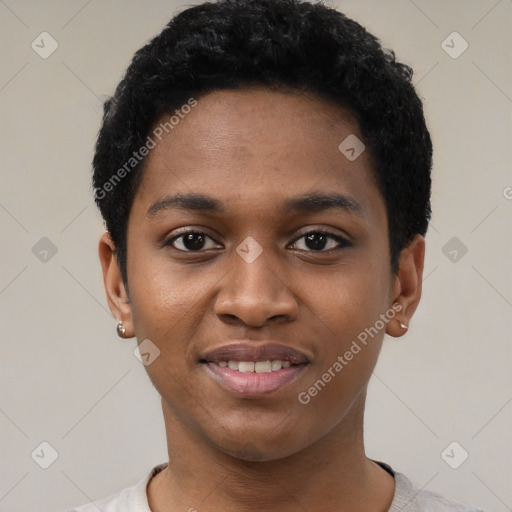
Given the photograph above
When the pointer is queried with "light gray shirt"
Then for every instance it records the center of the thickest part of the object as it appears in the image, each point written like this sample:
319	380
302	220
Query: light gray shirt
408	498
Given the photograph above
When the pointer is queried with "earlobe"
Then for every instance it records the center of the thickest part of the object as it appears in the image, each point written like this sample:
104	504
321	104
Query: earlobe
117	296
407	286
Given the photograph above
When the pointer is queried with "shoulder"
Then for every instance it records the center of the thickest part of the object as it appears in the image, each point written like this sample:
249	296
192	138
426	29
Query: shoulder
410	498
131	499
107	504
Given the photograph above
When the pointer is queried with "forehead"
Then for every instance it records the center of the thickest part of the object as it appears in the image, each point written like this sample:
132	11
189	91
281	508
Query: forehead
237	123
259	147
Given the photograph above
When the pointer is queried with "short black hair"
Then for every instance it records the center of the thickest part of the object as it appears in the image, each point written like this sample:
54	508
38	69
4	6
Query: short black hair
236	44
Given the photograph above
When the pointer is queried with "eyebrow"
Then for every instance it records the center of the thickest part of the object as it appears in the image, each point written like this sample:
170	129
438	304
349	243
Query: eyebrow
308	203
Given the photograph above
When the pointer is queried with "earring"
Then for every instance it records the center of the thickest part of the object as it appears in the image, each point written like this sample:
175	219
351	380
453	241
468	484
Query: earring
121	330
404	326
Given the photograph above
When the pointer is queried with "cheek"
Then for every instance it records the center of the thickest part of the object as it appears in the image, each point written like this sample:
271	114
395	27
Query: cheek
351	300
347	314
168	307
160	296
164	311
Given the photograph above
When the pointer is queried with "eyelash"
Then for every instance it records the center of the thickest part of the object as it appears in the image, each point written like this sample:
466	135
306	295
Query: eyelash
343	242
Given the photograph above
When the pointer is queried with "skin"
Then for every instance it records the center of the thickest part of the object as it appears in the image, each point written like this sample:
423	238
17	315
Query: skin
252	150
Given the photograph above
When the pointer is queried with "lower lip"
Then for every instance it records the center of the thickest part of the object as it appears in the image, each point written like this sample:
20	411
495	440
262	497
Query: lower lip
251	384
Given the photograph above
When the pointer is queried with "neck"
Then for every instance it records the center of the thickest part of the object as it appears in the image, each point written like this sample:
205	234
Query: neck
331	474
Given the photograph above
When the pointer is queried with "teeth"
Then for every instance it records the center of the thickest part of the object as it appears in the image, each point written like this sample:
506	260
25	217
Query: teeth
263	367
255	367
245	366
276	365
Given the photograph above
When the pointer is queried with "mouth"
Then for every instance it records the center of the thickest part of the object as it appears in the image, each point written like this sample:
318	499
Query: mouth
253	366
247	370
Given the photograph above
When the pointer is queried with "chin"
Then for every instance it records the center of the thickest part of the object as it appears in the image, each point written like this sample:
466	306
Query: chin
264	450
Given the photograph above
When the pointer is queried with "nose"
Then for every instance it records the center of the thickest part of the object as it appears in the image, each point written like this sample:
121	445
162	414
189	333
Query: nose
255	294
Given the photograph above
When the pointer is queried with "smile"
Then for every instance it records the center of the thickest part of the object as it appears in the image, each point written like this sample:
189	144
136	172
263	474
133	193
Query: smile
254	379
255	366
254	370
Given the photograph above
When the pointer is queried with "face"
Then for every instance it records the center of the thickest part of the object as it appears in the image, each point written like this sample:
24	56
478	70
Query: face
254	242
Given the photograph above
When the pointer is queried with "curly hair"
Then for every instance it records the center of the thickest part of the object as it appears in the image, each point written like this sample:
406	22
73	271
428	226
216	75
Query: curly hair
309	47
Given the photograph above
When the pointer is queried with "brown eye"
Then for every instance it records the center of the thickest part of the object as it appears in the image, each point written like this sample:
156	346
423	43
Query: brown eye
191	241
321	241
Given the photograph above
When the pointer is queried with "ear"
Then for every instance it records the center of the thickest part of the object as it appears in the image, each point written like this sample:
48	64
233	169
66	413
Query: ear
407	286
117	297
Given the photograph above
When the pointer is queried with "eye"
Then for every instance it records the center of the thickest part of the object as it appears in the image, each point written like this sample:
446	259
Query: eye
322	241
190	241
316	241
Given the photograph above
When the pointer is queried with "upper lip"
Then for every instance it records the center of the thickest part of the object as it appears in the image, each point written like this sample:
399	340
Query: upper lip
250	351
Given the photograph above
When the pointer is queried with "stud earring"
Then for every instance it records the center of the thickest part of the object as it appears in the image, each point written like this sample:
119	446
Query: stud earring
121	330
404	326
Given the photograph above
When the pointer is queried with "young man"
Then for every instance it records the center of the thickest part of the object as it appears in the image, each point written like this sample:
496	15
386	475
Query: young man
263	170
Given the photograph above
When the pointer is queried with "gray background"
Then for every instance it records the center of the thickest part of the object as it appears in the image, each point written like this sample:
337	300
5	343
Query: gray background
68	380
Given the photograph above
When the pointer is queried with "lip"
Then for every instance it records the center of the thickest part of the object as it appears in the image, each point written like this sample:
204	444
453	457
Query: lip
254	385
